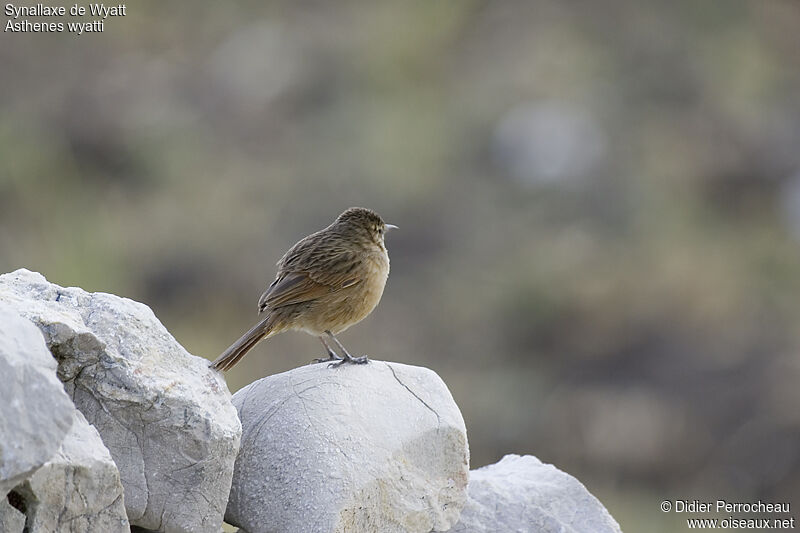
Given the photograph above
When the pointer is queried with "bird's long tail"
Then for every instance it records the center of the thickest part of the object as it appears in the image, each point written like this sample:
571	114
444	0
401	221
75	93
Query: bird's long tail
239	349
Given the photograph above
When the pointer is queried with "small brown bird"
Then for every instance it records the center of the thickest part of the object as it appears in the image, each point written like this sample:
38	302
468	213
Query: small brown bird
326	282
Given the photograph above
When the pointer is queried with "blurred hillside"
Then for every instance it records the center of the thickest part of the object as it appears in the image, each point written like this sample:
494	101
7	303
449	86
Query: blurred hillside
599	208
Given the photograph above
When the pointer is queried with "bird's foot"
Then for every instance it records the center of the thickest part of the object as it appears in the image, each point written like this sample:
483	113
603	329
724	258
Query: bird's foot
332	356
349	359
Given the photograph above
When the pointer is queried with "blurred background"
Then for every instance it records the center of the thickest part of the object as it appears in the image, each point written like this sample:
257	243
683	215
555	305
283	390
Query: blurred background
599	208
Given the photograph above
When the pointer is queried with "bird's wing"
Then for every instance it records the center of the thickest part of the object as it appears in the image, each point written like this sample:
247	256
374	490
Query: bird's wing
306	273
291	288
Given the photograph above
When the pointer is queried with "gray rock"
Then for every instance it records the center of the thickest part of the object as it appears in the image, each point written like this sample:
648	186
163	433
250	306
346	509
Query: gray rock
163	414
36	412
549	143
11	520
78	490
523	495
377	447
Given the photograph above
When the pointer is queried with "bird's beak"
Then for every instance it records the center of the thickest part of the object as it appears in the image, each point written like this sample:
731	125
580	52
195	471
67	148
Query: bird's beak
390	226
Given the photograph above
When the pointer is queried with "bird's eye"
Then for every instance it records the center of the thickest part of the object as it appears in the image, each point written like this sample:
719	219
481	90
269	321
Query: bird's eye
380	230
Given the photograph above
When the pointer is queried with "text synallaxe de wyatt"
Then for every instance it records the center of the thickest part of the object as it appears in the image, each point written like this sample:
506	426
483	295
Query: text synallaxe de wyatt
41	10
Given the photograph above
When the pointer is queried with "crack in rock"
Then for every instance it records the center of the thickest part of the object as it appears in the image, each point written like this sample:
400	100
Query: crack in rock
415	395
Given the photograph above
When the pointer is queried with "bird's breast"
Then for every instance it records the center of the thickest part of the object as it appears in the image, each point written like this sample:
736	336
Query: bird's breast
345	307
375	281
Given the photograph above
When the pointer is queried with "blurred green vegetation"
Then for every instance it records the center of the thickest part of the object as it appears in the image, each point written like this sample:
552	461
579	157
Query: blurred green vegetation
599	208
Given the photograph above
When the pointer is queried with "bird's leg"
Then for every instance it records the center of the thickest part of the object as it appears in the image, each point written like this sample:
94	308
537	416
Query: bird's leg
332	356
347	357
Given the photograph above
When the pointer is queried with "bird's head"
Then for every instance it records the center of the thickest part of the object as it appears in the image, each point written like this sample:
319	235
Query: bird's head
366	223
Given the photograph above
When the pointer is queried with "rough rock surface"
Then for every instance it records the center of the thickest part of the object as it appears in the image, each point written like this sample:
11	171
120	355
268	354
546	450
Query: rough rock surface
36	413
11	520
78	490
163	414
522	494
377	447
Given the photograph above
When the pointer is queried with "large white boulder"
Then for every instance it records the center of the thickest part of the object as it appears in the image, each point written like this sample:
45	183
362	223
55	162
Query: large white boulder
78	490
522	494
376	447
35	412
166	418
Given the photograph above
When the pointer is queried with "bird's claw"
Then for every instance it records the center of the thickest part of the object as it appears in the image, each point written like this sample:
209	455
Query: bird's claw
349	359
331	357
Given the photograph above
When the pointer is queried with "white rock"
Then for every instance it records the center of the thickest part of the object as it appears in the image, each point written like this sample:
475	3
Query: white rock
163	414
36	413
377	447
521	494
78	490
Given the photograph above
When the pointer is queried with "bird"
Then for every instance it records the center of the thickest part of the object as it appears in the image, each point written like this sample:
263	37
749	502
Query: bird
327	282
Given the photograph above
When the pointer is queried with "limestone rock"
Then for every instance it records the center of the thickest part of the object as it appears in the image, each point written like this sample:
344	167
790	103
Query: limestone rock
163	414
522	494
36	412
377	447
78	490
